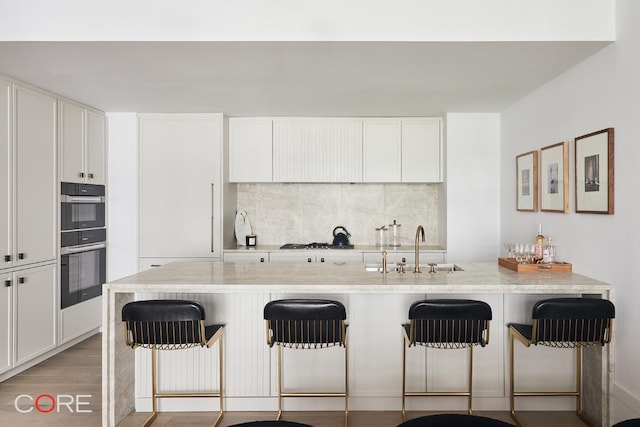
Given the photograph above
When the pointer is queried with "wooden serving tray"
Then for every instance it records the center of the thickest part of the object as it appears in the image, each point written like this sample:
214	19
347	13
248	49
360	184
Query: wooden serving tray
556	267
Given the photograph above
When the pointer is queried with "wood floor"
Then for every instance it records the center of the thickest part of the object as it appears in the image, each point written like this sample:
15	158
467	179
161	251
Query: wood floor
77	371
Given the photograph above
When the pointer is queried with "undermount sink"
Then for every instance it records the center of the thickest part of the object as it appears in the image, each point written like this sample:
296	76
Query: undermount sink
408	268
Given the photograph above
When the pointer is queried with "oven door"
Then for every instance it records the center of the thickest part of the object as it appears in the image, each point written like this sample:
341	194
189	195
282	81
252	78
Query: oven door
82	273
80	212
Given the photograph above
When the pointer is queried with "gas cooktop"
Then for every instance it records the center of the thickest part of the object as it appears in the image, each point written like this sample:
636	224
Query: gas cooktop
314	245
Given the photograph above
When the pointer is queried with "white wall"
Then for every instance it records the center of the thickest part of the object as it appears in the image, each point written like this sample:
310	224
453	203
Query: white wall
122	195
473	186
292	20
602	91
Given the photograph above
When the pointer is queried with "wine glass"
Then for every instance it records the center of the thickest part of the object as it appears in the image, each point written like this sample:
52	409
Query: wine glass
509	247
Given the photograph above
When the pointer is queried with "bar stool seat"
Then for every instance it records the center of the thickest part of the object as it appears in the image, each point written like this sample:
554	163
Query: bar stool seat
446	324
454	420
271	424
171	325
562	323
307	324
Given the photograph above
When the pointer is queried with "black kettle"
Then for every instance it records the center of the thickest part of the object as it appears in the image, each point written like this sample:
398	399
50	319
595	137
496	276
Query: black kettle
339	238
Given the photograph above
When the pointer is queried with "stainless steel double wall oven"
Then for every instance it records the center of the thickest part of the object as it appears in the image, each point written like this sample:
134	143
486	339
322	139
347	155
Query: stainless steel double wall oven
83	249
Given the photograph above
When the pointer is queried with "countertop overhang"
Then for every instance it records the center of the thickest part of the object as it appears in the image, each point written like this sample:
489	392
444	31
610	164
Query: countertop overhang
226	277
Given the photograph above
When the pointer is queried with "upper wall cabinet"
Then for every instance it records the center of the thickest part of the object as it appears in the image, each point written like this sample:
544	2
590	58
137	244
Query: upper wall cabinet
82	144
402	150
381	150
317	150
422	150
335	150
250	147
28	184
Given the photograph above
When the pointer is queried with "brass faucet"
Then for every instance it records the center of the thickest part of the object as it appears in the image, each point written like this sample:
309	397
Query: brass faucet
419	232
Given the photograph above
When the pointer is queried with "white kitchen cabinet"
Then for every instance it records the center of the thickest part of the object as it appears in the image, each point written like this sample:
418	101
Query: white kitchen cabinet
82	134
422	150
35	312
29	182
180	185
80	319
6	314
249	256
6	182
408	257
381	150
250	149
317	150
292	257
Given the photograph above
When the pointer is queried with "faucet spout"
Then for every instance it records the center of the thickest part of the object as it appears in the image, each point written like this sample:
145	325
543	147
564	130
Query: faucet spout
419	233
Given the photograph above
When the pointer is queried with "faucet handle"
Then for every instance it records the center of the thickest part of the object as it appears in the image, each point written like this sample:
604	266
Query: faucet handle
432	267
400	267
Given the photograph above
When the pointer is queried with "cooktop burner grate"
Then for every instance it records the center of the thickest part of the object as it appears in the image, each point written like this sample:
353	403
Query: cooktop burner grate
314	245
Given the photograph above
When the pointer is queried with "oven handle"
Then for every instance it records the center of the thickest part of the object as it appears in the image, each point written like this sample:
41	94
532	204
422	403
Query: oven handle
83	199
76	249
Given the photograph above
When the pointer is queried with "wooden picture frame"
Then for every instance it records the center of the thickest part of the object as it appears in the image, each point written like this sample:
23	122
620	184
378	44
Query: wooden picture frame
527	182
594	170
554	178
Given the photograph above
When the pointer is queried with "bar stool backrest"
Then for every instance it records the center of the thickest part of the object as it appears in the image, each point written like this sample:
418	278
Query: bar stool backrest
572	322
449	323
305	323
164	324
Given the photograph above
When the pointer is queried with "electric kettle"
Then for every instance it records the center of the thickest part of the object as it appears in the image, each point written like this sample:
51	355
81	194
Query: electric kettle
339	238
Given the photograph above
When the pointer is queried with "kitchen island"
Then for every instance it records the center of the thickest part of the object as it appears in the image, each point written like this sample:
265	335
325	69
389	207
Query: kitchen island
234	294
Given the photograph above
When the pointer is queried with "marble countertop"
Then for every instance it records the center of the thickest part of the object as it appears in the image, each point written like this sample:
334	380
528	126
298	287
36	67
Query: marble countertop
229	277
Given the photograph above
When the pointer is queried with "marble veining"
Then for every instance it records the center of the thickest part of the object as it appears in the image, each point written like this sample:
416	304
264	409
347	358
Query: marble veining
302	213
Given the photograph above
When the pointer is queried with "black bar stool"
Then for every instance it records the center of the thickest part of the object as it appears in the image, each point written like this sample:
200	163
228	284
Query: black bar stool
270	424
307	324
447	324
563	323
451	420
171	325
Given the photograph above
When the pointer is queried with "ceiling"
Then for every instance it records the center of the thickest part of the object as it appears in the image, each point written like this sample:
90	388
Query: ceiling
293	78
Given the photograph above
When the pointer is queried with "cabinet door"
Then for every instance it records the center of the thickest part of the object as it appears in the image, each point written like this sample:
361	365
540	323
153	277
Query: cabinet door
35	312
5	174
317	150
250	150
339	257
381	161
180	185
292	257
421	150
71	122
6	287
36	182
249	257
96	148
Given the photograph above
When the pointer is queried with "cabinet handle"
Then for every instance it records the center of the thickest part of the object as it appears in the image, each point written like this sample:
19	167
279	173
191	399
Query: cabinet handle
90	176
308	259
213	224
321	259
21	255
7	258
262	259
404	259
7	283
81	174
155	265
21	280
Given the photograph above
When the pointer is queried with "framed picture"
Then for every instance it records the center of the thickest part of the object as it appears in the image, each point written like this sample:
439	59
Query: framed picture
527	182
554	178
594	172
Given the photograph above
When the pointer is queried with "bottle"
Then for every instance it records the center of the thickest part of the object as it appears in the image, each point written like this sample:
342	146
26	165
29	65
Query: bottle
549	252
539	245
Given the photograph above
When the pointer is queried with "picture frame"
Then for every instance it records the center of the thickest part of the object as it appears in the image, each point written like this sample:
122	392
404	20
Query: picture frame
527	182
554	178
594	170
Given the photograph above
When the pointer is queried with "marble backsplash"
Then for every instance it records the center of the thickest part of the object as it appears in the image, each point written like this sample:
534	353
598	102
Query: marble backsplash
303	213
